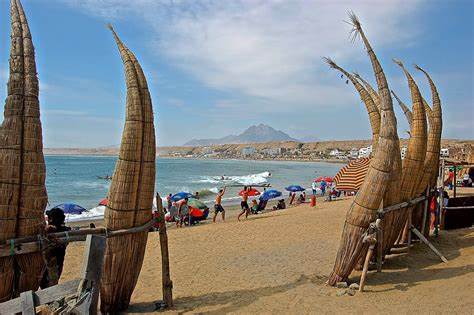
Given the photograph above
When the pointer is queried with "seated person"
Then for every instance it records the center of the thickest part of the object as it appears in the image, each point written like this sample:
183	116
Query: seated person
262	204
301	199
281	204
254	208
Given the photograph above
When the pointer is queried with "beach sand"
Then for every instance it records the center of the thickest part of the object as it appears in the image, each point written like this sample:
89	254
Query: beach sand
278	262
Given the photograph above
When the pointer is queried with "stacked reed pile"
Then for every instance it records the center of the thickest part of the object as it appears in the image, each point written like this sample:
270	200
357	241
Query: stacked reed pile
23	195
131	190
364	208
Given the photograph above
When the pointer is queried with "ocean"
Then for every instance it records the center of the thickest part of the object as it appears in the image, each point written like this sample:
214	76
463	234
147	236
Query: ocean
76	179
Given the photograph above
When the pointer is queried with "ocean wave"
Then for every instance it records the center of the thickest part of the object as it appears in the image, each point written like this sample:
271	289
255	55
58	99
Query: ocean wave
96	213
251	179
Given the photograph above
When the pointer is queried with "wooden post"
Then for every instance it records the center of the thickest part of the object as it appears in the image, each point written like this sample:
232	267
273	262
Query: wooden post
90	278
425	211
408	224
167	284
27	303
454	180
431	246
366	265
378	224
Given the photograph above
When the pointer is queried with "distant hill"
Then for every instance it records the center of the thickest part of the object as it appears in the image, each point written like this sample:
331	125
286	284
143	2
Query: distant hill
253	134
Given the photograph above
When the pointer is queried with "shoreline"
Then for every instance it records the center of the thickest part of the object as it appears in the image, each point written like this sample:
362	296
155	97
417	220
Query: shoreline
330	161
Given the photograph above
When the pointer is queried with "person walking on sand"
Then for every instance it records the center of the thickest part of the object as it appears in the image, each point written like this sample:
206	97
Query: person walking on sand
218	205
244	203
169	202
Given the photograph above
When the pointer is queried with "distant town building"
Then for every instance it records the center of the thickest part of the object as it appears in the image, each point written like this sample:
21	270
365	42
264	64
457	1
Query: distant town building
248	151
403	152
334	152
365	152
353	153
272	151
444	152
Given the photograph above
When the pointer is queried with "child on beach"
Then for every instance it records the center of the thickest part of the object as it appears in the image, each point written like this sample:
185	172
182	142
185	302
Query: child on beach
244	203
218	205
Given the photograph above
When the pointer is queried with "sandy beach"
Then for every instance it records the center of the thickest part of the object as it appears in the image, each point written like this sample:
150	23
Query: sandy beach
278	262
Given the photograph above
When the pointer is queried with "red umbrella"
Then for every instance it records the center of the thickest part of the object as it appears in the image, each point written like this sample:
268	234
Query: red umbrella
252	192
323	178
103	202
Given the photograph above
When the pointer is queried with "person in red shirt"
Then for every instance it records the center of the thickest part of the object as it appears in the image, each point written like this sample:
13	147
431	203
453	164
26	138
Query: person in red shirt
244	203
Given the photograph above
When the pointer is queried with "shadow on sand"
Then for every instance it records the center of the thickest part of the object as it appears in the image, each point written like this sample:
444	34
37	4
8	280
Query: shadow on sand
228	301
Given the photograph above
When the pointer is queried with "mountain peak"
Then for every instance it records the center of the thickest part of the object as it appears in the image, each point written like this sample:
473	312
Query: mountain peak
253	134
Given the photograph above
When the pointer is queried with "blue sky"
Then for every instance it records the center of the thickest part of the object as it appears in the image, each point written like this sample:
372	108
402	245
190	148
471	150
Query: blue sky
216	67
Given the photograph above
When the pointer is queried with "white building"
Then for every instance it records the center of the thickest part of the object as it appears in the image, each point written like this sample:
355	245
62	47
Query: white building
272	151
403	152
365	152
353	153
334	152
248	151
444	152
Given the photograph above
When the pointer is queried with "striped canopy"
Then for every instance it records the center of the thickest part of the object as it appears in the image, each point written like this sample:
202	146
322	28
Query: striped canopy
351	176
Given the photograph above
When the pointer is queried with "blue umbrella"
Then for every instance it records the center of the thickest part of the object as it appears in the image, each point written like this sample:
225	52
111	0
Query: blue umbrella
295	188
181	195
270	194
70	208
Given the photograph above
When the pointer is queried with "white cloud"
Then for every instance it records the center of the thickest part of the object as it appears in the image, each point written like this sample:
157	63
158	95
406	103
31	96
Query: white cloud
269	50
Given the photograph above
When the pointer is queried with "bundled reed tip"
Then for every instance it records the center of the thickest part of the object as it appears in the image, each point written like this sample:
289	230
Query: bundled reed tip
330	62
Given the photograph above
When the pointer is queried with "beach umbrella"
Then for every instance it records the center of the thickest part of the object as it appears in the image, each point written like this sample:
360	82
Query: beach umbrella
295	188
270	194
324	178
181	195
70	208
252	192
351	176
103	202
197	204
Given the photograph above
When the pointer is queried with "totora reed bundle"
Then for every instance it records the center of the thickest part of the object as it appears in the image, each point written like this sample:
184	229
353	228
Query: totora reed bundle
23	195
373	94
367	201
405	109
430	171
372	110
131	190
412	168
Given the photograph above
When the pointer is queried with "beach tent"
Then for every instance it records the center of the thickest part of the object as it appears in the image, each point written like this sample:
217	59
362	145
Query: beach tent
103	202
252	192
181	195
270	194
197	204
70	208
295	188
351	176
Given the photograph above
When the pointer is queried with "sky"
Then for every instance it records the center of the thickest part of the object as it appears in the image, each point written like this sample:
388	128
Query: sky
216	67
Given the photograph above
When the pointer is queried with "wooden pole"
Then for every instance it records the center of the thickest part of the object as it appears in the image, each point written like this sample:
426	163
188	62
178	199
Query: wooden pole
409	223
167	284
425	211
366	265
454	180
431	246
